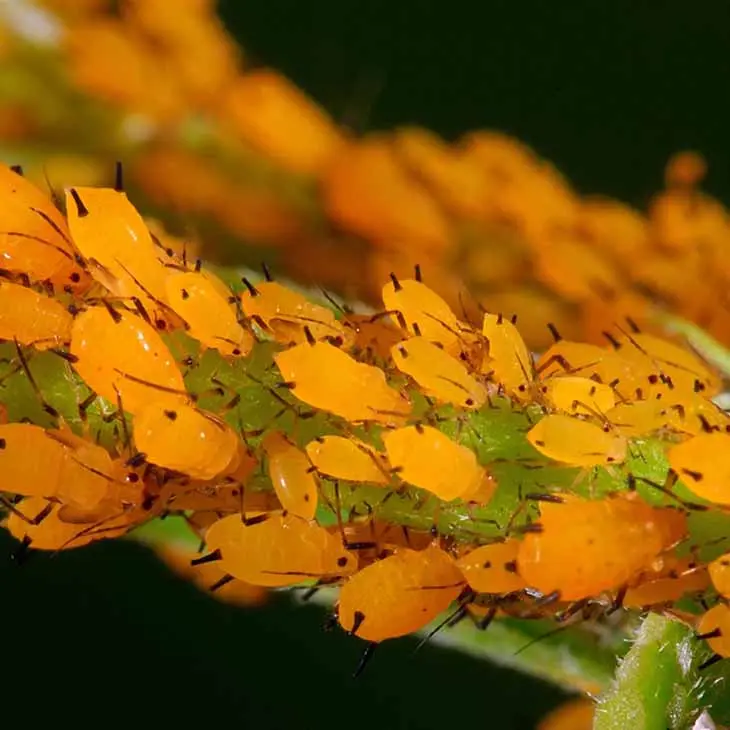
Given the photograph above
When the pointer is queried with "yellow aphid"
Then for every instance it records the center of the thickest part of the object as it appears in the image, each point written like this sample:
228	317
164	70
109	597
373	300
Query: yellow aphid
574	394
430	460
285	313
577	442
492	568
349	459
508	360
203	303
279	550
720	574
113	238
701	465
438	373
32	318
423	312
185	439
352	390
271	114
291	475
686	370
399	594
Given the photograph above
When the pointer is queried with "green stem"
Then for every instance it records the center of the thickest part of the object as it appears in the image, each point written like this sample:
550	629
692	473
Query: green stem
657	685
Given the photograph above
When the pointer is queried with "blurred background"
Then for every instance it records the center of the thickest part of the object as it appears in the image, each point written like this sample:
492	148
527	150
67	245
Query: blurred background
605	91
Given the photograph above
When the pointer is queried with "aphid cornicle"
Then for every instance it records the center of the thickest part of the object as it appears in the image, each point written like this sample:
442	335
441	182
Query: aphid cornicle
119	355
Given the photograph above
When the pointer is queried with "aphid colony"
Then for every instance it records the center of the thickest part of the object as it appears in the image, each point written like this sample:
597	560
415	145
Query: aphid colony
377	465
484	212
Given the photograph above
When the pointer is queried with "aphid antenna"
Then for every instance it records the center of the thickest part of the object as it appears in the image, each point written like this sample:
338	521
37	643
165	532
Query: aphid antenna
156	386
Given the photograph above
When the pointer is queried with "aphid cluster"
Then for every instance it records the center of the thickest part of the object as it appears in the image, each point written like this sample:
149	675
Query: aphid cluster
272	168
413	458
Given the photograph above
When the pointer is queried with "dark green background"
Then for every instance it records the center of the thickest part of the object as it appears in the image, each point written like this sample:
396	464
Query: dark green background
105	637
607	89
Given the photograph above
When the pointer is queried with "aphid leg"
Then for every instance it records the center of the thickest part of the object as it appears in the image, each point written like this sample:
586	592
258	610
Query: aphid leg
365	659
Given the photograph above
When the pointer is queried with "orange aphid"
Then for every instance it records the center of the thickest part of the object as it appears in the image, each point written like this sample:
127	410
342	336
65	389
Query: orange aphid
285	313
373	337
508	360
697	464
34	238
616	538
503	157
185	439
423	312
278	119
666	582
589	270
352	390
577	442
457	181
202	301
32	318
119	67
119	353
399	594
51	532
87	474
687	371
430	460
281	550
685	169
349	459
576	714
291	475
114	239
492	568
614	228
714	624
30	461
591	361
438	373
365	190
577	395
235	592
719	570
682	223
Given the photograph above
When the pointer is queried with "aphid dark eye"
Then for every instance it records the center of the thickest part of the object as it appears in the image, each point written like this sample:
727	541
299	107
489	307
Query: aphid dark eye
172	415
